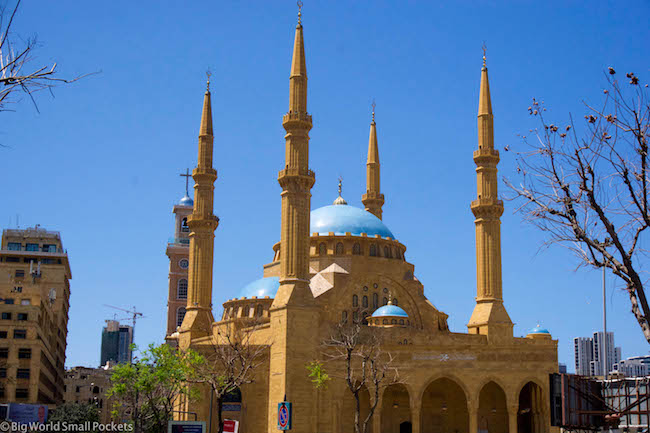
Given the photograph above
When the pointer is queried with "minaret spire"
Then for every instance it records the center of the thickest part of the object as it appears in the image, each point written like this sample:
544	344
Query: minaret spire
202	223
373	199
490	316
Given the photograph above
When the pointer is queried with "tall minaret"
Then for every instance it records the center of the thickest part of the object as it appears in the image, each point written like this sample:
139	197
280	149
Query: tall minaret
373	199
490	316
293	309
202	224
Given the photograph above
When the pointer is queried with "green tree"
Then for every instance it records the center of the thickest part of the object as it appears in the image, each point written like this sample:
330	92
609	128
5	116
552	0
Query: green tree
74	413
146	390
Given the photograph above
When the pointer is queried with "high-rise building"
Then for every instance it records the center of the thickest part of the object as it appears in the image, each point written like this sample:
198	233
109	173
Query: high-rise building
589	357
35	300
116	343
178	251
636	366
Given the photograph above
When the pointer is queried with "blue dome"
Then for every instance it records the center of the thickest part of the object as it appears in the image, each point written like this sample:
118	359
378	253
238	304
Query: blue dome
341	219
539	330
261	288
389	310
186	201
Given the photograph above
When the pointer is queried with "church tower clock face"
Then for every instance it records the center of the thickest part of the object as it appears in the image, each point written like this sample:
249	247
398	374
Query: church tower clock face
184	263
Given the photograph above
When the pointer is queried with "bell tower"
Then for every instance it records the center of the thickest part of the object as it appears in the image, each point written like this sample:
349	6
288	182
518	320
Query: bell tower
490	316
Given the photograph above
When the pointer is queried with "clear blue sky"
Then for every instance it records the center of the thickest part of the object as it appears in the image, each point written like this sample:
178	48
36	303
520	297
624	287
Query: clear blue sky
100	163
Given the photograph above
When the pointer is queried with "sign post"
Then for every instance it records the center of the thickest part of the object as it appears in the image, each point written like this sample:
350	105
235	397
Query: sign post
284	415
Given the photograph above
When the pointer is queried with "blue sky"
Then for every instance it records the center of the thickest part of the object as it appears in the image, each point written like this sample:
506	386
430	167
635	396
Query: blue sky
101	161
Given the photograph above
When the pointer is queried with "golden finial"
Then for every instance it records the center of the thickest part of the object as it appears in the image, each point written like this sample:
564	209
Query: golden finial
373	110
299	11
484	48
340	185
208	74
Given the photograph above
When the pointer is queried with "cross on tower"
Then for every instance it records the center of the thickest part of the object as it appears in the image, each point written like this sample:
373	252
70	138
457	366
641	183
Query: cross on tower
187	176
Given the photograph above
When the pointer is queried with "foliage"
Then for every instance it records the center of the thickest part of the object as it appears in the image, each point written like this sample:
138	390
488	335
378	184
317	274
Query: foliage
146	390
585	185
317	374
74	413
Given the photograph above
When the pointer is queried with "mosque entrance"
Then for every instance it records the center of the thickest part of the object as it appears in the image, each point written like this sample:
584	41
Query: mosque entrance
405	427
396	410
492	409
444	408
530	417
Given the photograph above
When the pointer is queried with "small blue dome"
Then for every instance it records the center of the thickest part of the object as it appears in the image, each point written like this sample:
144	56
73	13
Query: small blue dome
342	219
539	330
389	310
263	287
186	201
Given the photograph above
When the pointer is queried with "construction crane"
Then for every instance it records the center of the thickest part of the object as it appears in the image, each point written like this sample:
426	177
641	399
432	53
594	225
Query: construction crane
133	315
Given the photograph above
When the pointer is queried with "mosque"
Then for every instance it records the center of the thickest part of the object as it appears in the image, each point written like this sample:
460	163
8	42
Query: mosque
339	263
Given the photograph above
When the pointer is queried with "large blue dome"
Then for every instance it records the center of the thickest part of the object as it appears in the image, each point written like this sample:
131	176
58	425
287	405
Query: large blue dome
263	287
341	219
389	310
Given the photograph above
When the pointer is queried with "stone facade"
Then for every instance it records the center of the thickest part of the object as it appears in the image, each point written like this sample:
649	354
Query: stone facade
35	292
337	263
89	385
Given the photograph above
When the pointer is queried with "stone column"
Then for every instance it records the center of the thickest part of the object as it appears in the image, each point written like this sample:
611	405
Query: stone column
472	408
416	411
512	418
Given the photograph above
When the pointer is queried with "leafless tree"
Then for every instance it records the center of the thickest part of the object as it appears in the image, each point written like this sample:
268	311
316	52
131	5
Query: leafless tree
354	351
231	359
18	74
585	184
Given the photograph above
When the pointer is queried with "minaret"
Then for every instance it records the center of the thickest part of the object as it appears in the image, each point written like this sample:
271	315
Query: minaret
293	309
202	224
373	199
490	316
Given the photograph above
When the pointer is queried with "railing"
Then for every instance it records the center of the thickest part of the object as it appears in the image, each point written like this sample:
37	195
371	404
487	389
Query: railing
19	247
179	241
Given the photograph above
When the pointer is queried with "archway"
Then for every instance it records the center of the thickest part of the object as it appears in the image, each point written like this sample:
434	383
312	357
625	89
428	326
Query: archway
492	409
530	417
348	409
444	408
396	408
406	427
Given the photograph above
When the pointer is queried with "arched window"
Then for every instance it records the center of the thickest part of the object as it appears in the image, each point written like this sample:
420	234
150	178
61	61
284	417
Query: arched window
356	249
182	289
184	227
180	315
364	302
355	301
375	301
398	253
385	321
387	251
340	250
393	322
395	301
355	316
385	301
322	249
401	321
260	311
373	250
365	321
95	389
344	316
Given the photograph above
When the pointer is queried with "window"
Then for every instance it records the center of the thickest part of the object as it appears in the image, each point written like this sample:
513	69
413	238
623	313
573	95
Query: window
3	334
95	389
395	301
393	322
6	316
385	301
385	321
340	250
22	373
17	289
322	249
355	316
24	353
9	301
3	372
20	334
49	248
184	227
260	311
356	249
180	315
78	389
364	302
22	316
20	273
13	246
2	392
12	260
22	393
182	289
355	301
401	321
398	253
48	261
373	250
344	316
375	301
4	352
25	302
31	247
184	263
387	252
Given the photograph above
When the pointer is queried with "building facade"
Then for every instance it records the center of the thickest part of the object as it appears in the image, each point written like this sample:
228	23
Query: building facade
636	366
589	357
35	292
178	252
116	343
89	385
341	263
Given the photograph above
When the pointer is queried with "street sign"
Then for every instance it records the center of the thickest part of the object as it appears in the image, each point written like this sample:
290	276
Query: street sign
230	426
186	427
284	415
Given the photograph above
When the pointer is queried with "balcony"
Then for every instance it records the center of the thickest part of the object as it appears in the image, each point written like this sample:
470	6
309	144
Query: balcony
179	241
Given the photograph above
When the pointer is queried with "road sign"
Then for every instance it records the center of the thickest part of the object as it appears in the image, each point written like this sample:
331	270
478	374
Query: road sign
186	427
230	426
284	415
